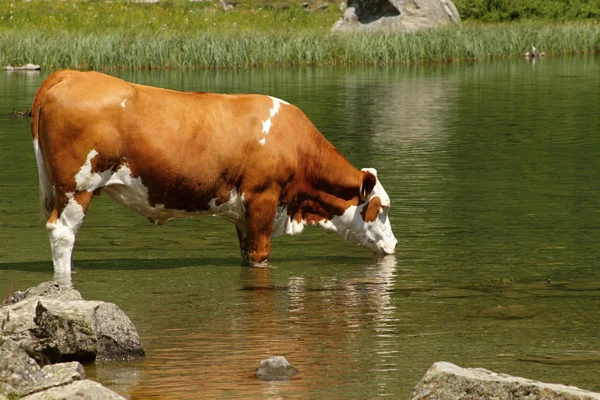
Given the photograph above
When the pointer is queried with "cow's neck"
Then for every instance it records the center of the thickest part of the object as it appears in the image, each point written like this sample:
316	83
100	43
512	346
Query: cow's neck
330	184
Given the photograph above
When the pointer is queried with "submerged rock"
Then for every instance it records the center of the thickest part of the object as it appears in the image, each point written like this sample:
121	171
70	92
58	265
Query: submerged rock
275	369
53	324
396	15
446	381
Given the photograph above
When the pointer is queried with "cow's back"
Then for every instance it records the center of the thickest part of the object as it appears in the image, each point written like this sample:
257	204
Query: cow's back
192	147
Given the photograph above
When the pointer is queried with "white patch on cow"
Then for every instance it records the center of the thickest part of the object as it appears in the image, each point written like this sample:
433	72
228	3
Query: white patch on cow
123	103
376	235
62	235
294	227
266	125
85	180
233	210
284	224
132	193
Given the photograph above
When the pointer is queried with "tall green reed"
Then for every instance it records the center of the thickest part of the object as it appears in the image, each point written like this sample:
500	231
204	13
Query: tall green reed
215	50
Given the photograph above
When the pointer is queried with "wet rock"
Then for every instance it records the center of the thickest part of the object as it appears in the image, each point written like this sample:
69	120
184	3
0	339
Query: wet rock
84	390
275	369
396	15
445	381
53	323
21	377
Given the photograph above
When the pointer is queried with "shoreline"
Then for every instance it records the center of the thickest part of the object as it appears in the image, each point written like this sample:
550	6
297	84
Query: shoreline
125	35
467	42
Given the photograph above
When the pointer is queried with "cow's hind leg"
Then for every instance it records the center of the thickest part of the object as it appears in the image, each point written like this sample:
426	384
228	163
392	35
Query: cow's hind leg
63	224
242	238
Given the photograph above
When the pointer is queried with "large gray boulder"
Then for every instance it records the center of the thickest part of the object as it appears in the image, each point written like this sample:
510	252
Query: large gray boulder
53	324
396	15
446	381
22	377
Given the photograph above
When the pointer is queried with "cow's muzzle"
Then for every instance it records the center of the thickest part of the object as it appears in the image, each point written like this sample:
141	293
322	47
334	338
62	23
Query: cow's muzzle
384	248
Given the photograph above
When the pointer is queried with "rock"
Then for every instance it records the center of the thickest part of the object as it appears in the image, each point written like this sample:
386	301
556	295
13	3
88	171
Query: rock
445	381
396	15
45	289
53	323
84	390
225	5
275	369
21	376
27	67
513	311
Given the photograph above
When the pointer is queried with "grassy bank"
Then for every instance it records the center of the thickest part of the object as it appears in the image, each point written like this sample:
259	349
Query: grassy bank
511	10
117	35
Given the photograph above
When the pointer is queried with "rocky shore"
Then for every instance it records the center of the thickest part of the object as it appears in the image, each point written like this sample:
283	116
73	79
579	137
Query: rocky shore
47	330
446	381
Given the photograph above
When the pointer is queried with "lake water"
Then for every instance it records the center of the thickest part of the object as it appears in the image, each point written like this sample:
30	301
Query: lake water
493	171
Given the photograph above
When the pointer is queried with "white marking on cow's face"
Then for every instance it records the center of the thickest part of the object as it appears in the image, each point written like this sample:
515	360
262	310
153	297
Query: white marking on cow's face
123	103
266	124
62	234
376	235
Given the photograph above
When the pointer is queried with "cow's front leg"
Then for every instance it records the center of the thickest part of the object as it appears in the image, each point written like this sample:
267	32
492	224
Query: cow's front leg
260	213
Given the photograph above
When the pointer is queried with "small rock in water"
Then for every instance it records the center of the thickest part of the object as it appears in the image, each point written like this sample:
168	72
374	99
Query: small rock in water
27	67
275	369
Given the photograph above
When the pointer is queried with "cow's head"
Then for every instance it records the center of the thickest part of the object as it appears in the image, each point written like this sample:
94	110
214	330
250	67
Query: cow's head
367	223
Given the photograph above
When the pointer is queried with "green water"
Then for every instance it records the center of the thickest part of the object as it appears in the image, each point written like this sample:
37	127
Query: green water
493	172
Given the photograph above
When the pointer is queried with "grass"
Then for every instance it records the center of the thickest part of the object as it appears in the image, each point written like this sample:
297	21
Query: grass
164	17
178	34
510	10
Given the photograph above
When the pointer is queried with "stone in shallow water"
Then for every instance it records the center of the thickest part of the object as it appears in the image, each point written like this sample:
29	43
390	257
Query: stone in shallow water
275	369
446	381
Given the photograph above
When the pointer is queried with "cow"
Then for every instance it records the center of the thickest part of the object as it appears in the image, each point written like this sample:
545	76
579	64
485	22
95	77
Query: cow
255	160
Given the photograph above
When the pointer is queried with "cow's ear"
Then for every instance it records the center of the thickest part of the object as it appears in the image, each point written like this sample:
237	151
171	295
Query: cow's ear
368	183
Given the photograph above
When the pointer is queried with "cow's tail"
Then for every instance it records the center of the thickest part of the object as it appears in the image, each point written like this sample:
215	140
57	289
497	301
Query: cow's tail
47	195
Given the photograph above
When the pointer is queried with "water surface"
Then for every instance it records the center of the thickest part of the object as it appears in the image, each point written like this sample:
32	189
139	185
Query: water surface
493	174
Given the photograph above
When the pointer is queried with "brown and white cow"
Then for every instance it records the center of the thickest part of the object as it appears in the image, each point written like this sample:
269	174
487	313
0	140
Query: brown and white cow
254	160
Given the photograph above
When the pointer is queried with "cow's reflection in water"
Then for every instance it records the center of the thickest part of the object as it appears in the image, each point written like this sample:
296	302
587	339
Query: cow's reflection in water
334	328
325	326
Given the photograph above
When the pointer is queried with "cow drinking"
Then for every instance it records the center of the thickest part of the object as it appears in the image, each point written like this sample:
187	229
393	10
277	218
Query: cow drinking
254	160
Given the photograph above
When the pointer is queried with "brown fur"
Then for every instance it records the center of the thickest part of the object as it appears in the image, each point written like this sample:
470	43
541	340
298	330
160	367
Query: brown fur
189	148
